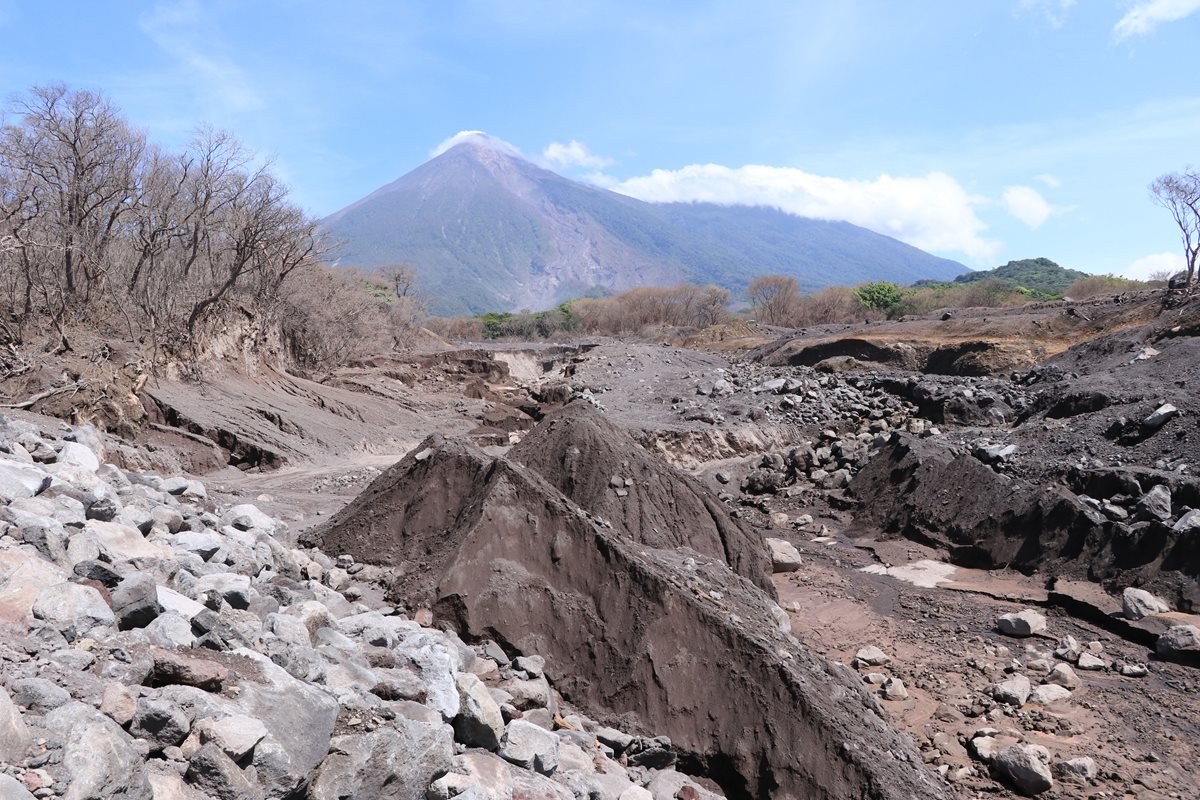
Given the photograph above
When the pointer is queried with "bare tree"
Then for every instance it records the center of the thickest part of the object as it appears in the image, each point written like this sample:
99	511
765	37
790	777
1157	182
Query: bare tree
776	298
1179	193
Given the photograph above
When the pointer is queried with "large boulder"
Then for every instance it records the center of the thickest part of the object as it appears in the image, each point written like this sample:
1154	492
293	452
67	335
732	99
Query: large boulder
1139	604
387	764
1180	643
479	722
1021	623
299	719
98	757
73	608
15	737
1025	767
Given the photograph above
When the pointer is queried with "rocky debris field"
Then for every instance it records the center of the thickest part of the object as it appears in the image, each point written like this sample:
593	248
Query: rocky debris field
982	533
971	669
155	643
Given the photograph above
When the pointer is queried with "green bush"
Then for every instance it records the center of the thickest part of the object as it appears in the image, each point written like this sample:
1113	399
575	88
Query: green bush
880	295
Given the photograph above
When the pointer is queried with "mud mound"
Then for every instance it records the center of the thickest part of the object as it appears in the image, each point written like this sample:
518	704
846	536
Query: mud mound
931	492
666	639
601	468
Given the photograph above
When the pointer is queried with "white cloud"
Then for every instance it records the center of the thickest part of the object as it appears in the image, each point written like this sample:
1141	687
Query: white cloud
186	32
1027	204
1049	180
1146	15
1146	266
574	154
478	137
932	212
1054	12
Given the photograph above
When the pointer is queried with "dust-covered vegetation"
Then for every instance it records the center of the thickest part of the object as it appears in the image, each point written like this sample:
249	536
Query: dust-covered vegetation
778	300
102	230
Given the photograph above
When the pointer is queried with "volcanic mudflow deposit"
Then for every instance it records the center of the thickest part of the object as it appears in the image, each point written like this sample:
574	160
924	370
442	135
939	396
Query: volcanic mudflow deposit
944	556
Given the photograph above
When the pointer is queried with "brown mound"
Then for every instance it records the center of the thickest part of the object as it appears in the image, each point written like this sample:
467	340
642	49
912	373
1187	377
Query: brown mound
672	640
603	469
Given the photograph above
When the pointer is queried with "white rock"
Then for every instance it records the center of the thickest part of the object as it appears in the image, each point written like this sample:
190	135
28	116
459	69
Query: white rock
78	455
1062	675
1014	691
1026	767
73	607
1049	693
236	735
872	656
14	735
1139	604
784	555
1022	623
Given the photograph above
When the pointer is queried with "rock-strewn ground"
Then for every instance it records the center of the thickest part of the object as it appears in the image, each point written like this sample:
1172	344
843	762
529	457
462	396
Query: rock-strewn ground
921	478
158	642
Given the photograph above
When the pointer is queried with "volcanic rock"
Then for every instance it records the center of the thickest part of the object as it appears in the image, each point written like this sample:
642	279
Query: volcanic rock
1026	767
1139	604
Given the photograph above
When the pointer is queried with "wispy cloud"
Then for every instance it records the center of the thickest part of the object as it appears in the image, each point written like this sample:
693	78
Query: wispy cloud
1049	180
1146	15
933	212
186	32
1052	12
1027	204
574	154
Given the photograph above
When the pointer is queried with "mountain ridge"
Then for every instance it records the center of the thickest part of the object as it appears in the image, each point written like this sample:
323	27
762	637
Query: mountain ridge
488	230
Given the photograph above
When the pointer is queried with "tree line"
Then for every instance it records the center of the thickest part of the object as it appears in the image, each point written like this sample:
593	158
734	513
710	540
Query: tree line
102	227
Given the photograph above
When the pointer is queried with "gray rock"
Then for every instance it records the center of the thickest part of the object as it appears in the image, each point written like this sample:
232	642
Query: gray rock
236	735
213	772
15	737
19	480
99	759
39	695
994	453
1025	767
893	689
1091	663
530	747
170	630
135	601
78	455
1014	691
1155	504
160	722
72	608
1062	675
1188	523
388	764
13	789
1160	416
299	719
1048	694
479	722
204	544
1021	623
1179	643
1069	649
872	656
530	665
784	555
1139	604
1076	770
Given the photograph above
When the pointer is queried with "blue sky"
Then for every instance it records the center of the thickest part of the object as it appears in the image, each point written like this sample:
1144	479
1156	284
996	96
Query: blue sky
982	130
